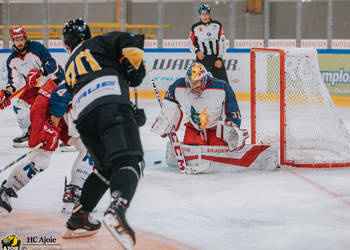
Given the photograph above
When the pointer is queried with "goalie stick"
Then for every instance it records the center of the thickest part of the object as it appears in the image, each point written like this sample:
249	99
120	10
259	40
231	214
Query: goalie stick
23	156
175	143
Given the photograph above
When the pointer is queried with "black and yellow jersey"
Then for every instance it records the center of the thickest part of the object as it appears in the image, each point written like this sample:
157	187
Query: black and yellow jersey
94	73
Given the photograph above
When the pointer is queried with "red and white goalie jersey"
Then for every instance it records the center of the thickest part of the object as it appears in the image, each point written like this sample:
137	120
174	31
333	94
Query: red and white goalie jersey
202	111
212	122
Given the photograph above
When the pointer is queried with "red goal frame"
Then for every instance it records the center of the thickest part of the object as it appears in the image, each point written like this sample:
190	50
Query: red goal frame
282	103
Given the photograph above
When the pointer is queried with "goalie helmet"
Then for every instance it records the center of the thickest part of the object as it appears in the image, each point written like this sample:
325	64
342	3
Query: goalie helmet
197	77
74	32
204	8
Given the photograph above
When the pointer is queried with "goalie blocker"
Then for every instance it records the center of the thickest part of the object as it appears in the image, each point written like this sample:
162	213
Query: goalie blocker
169	117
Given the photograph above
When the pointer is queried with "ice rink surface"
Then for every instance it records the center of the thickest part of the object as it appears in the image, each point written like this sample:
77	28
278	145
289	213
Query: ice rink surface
245	209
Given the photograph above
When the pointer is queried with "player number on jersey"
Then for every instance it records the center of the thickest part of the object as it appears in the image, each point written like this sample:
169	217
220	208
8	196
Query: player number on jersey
78	64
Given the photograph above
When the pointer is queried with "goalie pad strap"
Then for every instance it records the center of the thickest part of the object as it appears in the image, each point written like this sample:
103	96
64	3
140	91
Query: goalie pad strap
170	116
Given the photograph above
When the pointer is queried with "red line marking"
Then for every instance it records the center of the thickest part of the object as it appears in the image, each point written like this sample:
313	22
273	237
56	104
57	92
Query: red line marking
318	186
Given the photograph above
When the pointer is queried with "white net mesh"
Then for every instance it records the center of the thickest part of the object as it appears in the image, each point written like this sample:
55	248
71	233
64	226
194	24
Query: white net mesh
314	133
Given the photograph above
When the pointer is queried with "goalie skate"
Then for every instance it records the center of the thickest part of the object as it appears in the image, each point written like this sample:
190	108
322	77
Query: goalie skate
116	223
81	224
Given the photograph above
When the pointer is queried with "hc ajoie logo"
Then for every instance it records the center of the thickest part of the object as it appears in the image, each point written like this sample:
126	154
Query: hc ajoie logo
11	243
41	240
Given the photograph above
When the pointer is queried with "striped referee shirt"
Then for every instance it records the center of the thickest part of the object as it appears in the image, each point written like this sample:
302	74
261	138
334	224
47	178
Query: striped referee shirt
208	38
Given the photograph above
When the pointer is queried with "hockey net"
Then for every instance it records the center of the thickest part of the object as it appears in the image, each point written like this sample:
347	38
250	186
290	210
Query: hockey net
291	106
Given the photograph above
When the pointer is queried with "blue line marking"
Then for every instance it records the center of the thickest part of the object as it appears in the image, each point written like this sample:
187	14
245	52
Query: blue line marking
183	50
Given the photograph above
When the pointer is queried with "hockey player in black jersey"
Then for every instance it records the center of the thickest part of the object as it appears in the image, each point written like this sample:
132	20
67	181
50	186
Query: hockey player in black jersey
99	72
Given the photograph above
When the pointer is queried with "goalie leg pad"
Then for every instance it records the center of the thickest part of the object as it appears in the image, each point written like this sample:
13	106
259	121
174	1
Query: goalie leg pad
27	169
170	116
193	166
170	157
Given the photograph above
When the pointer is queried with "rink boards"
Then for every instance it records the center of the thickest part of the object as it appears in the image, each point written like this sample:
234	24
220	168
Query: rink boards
168	65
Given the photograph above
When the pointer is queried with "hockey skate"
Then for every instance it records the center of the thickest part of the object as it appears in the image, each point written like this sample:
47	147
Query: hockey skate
5	194
71	197
21	141
81	224
114	219
67	148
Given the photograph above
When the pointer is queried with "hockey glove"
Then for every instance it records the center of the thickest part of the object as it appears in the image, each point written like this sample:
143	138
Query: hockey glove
31	80
134	76
232	135
4	101
50	136
140	116
170	117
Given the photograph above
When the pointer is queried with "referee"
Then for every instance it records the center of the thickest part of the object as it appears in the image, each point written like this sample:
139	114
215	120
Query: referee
207	40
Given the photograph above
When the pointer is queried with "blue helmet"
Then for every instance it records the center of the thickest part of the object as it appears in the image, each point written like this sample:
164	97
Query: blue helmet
204	8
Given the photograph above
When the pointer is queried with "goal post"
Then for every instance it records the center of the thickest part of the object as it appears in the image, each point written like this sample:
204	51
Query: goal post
291	107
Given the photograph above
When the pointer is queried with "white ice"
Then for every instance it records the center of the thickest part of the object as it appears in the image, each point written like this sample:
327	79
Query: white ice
247	209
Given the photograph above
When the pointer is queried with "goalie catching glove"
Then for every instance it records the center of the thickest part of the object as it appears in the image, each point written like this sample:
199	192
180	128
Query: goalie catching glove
232	135
169	117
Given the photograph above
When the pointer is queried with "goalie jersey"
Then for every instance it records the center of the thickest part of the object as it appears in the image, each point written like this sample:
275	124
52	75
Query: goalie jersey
216	103
94	73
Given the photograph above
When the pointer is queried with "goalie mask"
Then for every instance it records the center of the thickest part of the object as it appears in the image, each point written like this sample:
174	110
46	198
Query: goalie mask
74	32
197	77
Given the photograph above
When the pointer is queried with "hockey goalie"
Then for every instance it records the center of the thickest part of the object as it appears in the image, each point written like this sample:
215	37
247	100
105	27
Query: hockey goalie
213	138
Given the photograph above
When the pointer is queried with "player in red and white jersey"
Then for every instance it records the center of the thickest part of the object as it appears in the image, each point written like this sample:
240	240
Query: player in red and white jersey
30	65
207	41
53	107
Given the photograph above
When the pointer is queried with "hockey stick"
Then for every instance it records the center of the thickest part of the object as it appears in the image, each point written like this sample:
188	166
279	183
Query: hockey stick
142	166
175	143
15	94
21	157
136	97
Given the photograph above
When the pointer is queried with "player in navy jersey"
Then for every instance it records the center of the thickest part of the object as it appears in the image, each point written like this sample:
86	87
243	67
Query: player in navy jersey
30	65
207	41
